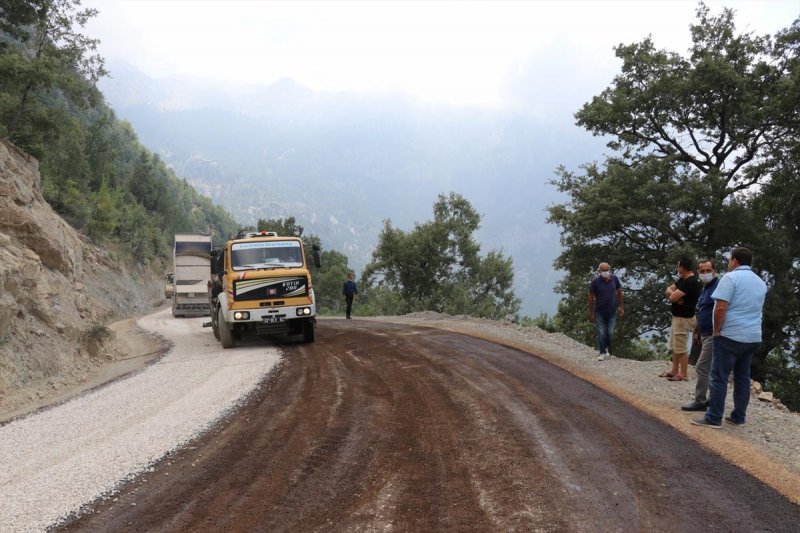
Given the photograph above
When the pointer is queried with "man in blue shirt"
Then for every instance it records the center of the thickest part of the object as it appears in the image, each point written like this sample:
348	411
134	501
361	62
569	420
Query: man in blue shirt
701	336
739	300
605	302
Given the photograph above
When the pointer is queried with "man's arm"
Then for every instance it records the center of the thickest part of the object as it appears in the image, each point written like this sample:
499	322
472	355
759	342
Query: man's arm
621	300
674	294
720	308
591	305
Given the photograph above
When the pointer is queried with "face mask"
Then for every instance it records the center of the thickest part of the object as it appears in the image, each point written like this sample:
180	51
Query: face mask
706	278
605	273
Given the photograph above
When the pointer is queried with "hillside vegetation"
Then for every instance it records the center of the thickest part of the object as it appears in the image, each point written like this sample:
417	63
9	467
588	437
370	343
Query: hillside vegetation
95	173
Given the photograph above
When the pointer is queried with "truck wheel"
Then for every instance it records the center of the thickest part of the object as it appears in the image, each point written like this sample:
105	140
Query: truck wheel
215	326
308	330
225	333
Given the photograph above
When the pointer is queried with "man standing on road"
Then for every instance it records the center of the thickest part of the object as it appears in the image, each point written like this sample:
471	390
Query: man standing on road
605	302
683	295
349	290
739	300
702	334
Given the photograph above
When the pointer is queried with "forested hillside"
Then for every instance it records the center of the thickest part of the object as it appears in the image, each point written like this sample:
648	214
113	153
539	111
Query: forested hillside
95	172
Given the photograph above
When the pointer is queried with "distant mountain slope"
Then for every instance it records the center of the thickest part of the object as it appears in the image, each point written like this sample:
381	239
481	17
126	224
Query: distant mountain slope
341	163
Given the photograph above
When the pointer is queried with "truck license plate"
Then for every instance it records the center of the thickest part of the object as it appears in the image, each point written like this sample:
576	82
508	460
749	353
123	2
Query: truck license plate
272	319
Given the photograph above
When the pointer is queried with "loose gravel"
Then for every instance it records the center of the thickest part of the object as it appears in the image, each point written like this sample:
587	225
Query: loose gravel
55	461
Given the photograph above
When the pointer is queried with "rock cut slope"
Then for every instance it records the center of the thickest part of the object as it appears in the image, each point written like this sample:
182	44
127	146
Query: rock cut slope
57	291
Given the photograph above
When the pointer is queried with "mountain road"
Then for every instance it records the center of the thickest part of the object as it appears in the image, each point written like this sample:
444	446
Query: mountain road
381	426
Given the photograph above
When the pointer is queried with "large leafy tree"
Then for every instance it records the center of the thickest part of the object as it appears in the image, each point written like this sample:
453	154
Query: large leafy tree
698	142
49	57
437	265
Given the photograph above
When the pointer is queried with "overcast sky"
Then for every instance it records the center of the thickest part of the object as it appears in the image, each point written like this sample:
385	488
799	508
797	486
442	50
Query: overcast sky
485	53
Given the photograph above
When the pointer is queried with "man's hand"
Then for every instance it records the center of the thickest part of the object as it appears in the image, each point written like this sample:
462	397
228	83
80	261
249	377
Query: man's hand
591	317
621	311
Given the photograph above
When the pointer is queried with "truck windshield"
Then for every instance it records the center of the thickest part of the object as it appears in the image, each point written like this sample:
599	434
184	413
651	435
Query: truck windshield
266	254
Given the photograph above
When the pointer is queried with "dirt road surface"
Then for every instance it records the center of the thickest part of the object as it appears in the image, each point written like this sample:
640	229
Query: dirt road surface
381	426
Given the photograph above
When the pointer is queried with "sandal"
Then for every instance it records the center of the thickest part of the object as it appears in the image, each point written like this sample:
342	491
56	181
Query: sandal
678	377
666	374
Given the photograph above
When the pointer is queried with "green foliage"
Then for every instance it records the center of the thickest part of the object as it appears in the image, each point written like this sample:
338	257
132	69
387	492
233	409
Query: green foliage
328	282
377	301
704	158
43	56
94	171
543	322
437	265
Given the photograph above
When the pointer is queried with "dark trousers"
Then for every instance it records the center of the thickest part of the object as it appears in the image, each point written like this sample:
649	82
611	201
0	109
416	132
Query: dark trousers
349	299
728	355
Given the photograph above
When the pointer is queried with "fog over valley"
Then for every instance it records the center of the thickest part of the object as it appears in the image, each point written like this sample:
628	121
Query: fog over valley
342	162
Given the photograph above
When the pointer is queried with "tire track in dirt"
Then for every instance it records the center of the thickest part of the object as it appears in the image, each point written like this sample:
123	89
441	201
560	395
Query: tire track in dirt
384	426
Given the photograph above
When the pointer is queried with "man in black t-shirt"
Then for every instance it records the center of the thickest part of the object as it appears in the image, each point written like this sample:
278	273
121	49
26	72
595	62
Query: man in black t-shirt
683	296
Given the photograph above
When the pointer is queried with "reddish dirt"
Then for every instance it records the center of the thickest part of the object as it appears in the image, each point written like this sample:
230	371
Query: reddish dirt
383	426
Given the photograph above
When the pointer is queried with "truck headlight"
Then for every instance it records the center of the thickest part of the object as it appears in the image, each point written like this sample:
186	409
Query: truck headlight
241	315
303	311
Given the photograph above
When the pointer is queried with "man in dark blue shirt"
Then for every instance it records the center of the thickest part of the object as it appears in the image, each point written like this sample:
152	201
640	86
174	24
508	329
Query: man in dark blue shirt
349	290
701	335
605	302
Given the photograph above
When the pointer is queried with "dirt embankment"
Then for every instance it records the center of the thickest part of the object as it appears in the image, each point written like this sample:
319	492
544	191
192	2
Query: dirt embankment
57	293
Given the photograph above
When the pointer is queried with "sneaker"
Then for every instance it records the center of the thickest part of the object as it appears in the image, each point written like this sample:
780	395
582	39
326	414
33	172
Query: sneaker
601	357
608	354
704	422
730	420
695	406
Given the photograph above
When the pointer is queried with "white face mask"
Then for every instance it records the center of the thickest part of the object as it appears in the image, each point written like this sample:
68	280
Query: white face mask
706	278
605	273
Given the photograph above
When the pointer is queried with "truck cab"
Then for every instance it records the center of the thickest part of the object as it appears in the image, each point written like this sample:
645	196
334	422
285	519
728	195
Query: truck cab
260	284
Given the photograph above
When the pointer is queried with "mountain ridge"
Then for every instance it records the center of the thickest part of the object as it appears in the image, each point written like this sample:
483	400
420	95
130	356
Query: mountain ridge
342	163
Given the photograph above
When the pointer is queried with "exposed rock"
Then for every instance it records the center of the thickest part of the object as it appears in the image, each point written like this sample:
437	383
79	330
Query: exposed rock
54	287
766	397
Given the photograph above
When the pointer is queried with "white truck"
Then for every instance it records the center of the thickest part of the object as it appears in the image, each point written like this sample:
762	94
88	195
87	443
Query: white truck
191	257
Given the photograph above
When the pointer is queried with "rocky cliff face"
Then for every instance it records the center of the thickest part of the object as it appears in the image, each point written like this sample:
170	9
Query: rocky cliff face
57	291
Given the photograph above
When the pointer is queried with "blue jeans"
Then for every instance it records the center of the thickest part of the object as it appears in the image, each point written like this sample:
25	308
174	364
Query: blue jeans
605	330
728	355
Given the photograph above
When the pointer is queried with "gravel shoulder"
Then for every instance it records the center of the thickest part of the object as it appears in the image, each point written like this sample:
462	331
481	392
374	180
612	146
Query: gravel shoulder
768	446
59	458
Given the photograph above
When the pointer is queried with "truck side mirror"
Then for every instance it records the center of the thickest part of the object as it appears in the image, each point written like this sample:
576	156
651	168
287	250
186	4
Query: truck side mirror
317	256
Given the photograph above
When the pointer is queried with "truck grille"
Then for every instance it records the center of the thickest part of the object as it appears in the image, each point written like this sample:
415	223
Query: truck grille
270	288
192	307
